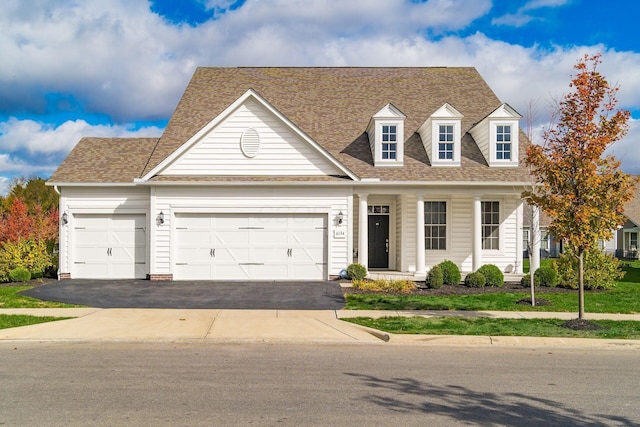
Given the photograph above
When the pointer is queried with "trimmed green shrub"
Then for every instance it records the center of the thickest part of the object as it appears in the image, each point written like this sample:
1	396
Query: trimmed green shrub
28	254
475	280
526	280
19	275
601	271
435	277
356	272
545	276
492	274
450	272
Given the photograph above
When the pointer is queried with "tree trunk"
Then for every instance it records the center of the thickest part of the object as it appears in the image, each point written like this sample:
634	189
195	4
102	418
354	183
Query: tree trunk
581	285
532	283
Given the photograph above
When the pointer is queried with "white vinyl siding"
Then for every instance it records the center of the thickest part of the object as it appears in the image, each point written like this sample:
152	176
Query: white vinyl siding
280	152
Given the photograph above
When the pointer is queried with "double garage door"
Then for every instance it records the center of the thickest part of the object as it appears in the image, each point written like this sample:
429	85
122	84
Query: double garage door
250	247
109	246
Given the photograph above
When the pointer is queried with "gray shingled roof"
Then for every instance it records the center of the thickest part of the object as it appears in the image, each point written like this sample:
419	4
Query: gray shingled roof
333	106
102	160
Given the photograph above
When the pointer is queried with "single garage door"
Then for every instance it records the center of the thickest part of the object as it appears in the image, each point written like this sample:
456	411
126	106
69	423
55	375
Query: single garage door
250	247
109	246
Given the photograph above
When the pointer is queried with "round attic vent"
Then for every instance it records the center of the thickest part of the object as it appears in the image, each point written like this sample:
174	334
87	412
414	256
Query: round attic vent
250	142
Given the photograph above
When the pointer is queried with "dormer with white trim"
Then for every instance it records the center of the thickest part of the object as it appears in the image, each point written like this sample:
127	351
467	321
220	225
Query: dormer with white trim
386	136
497	137
441	136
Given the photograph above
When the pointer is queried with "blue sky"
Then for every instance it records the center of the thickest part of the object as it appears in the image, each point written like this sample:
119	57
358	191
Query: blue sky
94	68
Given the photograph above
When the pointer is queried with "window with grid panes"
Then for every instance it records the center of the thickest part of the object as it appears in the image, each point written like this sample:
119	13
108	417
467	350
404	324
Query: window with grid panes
503	142
435	225
445	142
490	225
389	142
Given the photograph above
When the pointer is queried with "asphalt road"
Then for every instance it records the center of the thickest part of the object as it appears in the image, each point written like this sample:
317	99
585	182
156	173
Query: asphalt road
292	385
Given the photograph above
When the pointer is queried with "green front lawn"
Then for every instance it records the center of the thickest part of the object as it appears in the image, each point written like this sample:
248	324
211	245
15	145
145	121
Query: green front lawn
15	320
498	327
624	298
9	298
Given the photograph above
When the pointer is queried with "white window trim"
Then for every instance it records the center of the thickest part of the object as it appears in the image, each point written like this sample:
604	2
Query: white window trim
399	124
447	224
435	136
493	131
500	225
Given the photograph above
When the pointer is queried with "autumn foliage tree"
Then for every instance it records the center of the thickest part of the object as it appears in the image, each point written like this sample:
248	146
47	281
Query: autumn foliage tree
27	237
582	190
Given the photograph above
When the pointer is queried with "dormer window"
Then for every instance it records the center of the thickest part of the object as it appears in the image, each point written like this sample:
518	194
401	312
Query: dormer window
503	142
497	136
445	142
389	142
386	136
441	135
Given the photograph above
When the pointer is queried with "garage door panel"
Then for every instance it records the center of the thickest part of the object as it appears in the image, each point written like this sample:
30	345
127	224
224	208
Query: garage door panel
232	271
271	271
270	255
91	269
307	255
234	237
270	238
192	271
226	255
109	246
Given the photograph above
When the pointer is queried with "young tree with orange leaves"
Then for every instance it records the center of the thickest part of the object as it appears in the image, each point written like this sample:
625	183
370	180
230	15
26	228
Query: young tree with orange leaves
582	190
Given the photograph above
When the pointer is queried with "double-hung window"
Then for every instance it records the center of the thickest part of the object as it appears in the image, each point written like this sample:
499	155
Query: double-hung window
389	142
490	225
503	142
435	225
445	142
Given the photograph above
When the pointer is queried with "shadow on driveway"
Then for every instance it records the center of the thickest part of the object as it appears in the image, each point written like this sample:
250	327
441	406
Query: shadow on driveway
196	294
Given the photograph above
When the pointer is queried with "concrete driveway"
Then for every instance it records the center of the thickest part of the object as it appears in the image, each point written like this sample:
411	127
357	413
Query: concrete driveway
193	294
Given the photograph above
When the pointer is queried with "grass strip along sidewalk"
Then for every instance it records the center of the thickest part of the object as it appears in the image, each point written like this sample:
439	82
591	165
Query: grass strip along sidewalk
609	329
15	320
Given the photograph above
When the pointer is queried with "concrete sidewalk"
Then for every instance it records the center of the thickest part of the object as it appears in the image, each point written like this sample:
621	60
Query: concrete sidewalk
303	326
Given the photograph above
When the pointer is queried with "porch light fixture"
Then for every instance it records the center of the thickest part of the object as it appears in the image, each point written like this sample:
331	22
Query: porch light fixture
160	218
65	219
340	218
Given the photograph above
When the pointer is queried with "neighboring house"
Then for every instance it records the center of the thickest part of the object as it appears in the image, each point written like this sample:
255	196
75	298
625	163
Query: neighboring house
295	173
623	244
549	246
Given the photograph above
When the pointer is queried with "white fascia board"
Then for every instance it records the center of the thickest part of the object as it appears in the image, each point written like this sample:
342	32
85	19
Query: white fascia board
447	112
91	184
389	111
222	116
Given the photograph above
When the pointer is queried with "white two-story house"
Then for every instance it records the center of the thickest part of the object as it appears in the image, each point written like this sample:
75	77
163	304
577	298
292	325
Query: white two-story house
295	173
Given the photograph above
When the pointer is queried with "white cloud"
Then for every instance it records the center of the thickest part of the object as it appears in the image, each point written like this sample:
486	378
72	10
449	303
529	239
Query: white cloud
38	137
118	58
4	185
523	16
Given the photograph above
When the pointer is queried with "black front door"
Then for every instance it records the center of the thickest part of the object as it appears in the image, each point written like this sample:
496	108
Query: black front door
378	241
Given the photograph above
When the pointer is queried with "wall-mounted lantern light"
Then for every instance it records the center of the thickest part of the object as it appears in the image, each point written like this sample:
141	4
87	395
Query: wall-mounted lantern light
160	219
65	219
340	218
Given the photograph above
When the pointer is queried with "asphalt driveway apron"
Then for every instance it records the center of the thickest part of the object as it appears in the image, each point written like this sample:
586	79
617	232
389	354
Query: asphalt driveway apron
270	295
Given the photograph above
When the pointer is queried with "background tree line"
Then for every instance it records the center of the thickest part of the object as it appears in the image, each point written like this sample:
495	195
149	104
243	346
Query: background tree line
28	230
